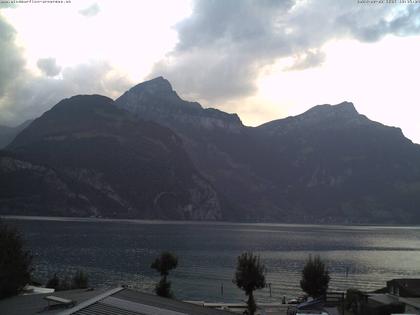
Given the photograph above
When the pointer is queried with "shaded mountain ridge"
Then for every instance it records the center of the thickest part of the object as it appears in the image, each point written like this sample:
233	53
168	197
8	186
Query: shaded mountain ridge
329	164
151	154
86	157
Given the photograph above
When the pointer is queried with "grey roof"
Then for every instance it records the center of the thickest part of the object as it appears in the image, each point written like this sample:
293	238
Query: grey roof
131	302
35	304
118	301
99	308
383	298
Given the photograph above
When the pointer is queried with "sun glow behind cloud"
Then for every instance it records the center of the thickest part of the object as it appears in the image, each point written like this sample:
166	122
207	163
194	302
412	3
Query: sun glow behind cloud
131	35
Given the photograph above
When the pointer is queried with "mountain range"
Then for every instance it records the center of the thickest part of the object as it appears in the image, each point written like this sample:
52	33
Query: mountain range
152	155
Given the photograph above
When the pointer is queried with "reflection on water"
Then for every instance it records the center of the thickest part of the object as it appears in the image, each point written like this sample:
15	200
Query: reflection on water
114	252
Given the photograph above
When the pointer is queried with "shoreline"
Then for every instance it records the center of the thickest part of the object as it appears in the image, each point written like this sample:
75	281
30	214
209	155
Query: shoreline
221	223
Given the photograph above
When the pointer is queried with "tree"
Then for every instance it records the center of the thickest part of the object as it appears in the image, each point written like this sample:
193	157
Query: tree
250	276
80	280
15	262
315	277
163	264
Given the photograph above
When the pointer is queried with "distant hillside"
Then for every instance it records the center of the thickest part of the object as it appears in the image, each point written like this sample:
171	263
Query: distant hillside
343	166
151	154
329	164
86	157
7	134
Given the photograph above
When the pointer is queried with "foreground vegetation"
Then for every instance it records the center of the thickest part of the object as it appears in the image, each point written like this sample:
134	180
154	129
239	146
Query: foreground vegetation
15	262
16	266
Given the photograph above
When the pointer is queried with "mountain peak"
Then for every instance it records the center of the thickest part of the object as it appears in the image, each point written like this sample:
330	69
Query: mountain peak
346	108
79	104
154	86
344	111
319	115
156	100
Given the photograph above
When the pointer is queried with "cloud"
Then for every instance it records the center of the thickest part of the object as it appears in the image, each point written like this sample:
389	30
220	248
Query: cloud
48	66
25	95
90	11
400	21
309	59
224	45
31	95
11	60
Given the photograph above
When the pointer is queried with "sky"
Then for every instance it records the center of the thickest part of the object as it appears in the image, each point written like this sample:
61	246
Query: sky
262	59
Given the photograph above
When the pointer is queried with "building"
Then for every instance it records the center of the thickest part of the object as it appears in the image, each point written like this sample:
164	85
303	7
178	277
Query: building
399	296
404	287
118	301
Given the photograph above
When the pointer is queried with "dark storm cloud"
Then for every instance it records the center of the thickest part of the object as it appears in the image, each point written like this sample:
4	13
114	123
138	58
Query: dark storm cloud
400	21
224	45
49	66
92	10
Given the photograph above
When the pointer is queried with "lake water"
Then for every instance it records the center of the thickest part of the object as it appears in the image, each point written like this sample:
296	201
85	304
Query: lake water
117	252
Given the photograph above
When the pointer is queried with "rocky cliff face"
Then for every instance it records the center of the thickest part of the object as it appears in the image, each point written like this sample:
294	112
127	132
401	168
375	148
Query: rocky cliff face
93	159
217	142
156	100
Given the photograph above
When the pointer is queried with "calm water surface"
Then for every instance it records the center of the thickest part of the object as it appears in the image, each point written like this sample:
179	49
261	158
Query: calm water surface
116	252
